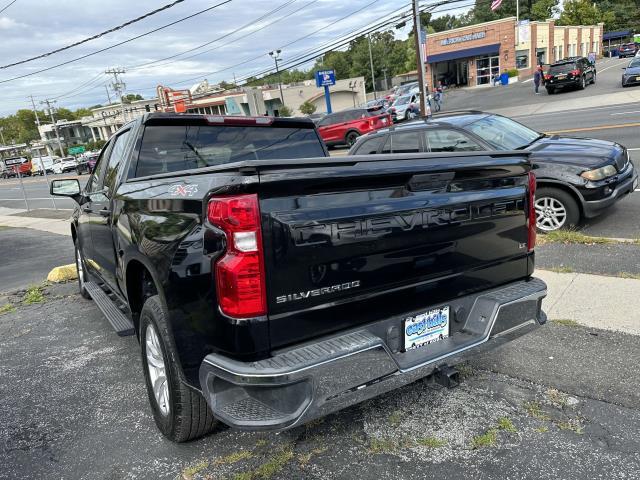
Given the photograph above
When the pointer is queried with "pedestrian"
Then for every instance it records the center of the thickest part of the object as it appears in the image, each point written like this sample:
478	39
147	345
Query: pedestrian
438	96
538	78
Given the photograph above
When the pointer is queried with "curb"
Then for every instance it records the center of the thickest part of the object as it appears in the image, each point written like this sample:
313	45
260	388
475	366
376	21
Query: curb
63	273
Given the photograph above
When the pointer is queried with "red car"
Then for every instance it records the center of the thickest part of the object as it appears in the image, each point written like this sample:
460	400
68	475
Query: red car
344	128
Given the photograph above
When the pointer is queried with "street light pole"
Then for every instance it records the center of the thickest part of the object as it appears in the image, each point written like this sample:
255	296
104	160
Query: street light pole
352	86
419	59
276	58
373	77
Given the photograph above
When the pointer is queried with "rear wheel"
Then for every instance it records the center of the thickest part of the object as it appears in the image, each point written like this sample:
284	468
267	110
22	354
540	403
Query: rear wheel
583	83
351	138
180	412
555	210
593	79
551	90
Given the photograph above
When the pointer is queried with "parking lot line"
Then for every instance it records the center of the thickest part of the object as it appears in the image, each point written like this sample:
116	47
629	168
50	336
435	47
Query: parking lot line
599	127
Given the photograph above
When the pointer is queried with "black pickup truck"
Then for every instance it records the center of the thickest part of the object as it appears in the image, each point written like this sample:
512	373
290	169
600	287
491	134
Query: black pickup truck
270	284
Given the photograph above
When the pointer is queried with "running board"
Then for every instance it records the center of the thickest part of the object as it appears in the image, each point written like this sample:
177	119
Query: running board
118	320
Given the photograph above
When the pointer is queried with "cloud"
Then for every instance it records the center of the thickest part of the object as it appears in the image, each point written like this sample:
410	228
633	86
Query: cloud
7	23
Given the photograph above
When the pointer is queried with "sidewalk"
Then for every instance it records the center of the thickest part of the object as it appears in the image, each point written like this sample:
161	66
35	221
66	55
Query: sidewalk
610	303
53	221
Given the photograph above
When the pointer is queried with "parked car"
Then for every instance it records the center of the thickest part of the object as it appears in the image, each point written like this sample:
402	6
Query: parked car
572	72
13	166
344	128
402	107
577	177
64	165
42	164
87	163
380	104
268	289
627	50
631	75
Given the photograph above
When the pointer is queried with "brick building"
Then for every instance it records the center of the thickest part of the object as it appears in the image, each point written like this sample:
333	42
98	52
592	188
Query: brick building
471	56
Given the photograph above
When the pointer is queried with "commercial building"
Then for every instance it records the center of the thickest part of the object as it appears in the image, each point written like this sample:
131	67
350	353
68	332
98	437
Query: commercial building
70	133
473	55
105	121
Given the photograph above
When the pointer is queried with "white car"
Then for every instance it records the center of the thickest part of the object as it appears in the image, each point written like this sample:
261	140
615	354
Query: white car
40	162
64	165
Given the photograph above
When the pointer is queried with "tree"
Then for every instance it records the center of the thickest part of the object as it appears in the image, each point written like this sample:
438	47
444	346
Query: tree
583	12
131	97
307	108
544	9
284	111
82	112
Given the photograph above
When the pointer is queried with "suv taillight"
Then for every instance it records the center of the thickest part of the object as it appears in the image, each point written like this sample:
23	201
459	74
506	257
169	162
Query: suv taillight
531	221
239	273
575	73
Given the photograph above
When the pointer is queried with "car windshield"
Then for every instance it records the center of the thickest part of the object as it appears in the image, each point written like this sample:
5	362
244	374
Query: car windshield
562	68
503	133
402	100
635	63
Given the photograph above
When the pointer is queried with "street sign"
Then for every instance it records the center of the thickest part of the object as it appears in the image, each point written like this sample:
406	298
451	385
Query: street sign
324	78
76	150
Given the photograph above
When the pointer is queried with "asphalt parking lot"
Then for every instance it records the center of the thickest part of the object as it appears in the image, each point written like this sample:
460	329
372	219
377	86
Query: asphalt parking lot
561	403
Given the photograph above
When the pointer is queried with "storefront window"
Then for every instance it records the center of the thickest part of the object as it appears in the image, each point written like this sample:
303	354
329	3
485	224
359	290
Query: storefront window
522	58
541	55
486	69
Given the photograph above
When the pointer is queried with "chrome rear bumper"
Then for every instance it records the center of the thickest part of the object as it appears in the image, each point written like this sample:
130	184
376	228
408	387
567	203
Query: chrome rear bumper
316	379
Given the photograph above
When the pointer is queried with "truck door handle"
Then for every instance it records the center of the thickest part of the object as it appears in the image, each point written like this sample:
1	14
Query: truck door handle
105	212
87	209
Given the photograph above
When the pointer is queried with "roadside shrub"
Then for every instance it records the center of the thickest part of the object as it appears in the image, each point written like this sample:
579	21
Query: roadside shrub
284	111
307	108
513	72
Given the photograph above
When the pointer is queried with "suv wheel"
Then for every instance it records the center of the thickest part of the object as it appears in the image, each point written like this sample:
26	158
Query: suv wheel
555	209
82	273
351	138
583	82
593	79
180	412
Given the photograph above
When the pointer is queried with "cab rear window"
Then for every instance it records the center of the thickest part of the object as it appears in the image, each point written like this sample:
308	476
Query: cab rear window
562	68
185	147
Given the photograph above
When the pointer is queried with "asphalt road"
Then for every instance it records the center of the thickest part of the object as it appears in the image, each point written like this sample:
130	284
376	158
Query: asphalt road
561	403
36	190
28	255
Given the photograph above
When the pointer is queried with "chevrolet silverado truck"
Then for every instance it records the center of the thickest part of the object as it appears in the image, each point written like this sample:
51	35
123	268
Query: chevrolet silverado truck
270	284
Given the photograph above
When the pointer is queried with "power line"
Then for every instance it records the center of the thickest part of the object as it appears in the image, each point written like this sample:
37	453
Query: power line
116	44
252	22
102	34
8	5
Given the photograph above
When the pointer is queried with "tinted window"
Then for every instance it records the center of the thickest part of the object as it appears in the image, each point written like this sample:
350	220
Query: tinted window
371	146
328	120
562	68
174	148
115	159
405	142
450	141
95	182
354	115
502	133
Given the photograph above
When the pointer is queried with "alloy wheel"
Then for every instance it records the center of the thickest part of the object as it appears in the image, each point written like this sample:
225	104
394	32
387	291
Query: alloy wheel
157	369
551	214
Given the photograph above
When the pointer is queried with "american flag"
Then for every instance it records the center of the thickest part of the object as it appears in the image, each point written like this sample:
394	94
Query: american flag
495	4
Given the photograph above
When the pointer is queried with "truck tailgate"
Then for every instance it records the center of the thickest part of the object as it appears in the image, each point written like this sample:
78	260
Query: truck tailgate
375	236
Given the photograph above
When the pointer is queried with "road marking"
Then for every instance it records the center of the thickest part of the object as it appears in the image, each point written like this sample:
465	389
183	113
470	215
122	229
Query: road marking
601	127
610	66
625	113
564	112
631	149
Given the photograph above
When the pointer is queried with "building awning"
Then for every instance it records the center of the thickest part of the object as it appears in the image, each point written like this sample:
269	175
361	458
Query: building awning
616	35
467	52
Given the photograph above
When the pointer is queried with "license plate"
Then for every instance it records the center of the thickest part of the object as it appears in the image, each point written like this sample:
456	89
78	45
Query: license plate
426	328
561	77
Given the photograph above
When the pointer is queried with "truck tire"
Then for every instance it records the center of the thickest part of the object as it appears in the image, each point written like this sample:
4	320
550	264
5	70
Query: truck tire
555	210
180	412
82	273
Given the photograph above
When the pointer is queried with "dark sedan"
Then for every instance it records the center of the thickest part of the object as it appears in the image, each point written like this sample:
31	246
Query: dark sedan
576	177
631	75
627	50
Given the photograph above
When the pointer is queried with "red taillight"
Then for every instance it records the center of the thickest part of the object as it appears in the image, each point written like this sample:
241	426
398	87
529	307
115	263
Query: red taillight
575	72
531	221
548	77
239	273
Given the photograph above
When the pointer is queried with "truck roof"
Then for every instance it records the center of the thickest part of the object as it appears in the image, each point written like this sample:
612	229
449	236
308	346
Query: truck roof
234	120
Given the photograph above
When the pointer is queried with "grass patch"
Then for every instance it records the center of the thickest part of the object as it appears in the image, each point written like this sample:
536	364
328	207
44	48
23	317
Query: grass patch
565	322
541	429
487	439
561	269
234	457
261	443
7	308
382	445
304	458
634	276
506	424
188	473
431	442
395	418
571	237
33	295
271	467
571	426
535	410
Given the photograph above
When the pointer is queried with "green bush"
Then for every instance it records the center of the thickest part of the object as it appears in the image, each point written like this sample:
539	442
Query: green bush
307	108
512	72
284	111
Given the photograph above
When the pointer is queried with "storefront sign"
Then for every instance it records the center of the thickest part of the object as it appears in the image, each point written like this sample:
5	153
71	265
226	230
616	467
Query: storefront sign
463	38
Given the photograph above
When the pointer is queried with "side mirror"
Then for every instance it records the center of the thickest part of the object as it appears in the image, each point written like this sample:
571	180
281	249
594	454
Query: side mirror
66	188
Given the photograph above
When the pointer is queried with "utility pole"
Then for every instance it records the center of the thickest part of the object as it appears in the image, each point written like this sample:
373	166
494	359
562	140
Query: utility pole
42	166
2	135
48	103
276	58
419	59
108	94
386	83
373	77
118	87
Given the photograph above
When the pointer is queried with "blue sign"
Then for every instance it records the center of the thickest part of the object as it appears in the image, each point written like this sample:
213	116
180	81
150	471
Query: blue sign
324	78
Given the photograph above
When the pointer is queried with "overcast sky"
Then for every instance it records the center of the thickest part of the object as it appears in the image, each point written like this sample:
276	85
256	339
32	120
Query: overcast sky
32	27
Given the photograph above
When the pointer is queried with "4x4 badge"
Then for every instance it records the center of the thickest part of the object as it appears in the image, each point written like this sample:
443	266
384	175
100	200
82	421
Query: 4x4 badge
183	190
